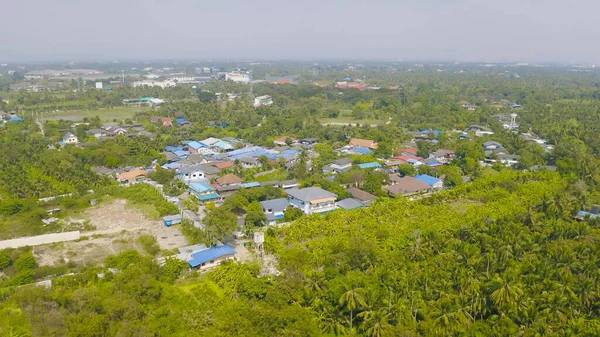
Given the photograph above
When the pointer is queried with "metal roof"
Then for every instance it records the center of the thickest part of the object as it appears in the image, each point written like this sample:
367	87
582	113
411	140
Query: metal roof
277	205
209	254
349	203
429	180
310	193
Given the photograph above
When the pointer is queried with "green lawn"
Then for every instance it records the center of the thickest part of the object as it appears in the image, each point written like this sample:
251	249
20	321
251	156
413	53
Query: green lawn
104	113
346	117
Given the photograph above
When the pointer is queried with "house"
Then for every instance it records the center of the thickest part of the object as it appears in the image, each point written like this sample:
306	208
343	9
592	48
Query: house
274	209
309	141
154	119
249	162
226	190
70	138
508	159
194	146
97	133
312	199
288	184
443	156
223	165
183	122
369	144
191	174
192	159
411	151
372	165
365	197
432	162
203	191
116	130
492	145
282	141
229	179
167	122
154	102
407	186
359	150
435	183
263	100
392	165
338	166
349	203
131	176
479	130
211	257
172	219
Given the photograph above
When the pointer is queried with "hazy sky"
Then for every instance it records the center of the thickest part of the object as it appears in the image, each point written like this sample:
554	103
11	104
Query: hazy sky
467	30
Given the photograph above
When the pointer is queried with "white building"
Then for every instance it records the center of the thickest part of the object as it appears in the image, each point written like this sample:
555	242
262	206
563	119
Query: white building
151	83
70	138
263	100
238	77
98	85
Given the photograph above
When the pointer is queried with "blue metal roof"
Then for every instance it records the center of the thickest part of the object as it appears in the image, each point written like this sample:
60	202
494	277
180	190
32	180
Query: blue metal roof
251	152
585	214
196	145
429	180
434	163
181	153
181	120
210	196
361	150
369	165
171	166
250	184
170	148
210	254
15	119
201	187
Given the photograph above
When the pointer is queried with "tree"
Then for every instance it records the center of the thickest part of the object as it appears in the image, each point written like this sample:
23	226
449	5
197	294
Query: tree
292	213
255	215
352	299
374	181
407	170
453	175
5	259
221	224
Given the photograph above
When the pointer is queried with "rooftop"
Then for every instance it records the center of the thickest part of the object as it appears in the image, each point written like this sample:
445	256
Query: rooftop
309	194
210	254
349	203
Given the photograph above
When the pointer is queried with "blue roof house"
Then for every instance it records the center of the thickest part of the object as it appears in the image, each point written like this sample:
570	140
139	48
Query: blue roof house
203	191
371	165
211	257
435	183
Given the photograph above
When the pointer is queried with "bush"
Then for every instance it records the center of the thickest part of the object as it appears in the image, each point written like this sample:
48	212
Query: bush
149	244
123	259
5	259
26	262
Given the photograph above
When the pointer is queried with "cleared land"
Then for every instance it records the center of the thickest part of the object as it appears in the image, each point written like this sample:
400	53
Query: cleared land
117	228
104	113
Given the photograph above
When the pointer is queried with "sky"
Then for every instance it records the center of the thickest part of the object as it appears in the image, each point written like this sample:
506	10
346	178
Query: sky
443	30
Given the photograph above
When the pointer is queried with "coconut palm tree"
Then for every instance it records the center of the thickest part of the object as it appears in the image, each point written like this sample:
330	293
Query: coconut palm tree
352	299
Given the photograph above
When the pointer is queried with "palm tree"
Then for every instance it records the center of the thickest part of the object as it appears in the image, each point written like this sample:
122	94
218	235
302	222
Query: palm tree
352	299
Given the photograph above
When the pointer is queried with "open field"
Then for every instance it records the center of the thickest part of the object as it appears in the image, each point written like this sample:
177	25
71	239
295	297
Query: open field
346	118
117	228
104	113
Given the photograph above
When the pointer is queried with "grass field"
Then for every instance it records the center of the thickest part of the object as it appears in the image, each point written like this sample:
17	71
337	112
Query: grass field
104	113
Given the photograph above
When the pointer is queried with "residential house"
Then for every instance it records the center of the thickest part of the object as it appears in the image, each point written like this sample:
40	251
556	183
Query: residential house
249	162
70	138
409	159
508	159
372	165
131	176
435	183
194	146
97	133
116	130
226	190
167	122
492	145
312	199
407	186
338	166
211	257
309	141
431	162
195	173
287	184
154	119
223	165
274	209
367	143
203	191
365	197
479	130
183	122
443	156
281	141
193	159
392	165
229	180
349	204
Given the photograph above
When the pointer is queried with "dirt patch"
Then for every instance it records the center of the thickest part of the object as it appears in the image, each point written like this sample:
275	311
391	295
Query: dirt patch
117	228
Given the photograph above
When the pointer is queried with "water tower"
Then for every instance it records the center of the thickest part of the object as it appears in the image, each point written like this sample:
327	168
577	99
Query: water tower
195	88
259	240
513	120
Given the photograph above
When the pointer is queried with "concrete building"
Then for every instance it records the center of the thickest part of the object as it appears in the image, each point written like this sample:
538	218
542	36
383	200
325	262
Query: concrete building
312	199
